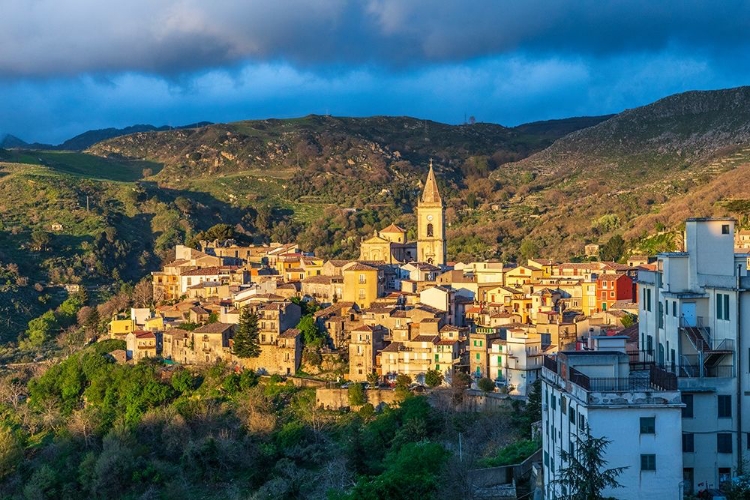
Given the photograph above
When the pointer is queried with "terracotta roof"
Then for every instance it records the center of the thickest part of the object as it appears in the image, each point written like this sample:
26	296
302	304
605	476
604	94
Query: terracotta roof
426	338
198	310
144	335
203	271
214	328
392	347
359	267
322	280
631	332
289	334
610	277
364	328
447	341
624	304
380	310
393	228
338	262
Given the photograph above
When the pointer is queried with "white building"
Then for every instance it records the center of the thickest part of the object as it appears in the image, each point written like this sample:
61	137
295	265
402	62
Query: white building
695	322
523	360
639	412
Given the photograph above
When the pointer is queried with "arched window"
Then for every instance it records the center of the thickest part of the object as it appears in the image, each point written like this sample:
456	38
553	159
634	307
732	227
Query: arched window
430	231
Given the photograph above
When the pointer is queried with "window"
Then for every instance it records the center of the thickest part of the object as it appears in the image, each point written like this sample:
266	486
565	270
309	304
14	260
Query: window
563	405
648	425
725	229
430	231
478	356
725	406
724	442
722	306
674	308
648	299
648	462
581	422
362	278
688	442
554	402
572	415
361	293
650	344
687	400
661	315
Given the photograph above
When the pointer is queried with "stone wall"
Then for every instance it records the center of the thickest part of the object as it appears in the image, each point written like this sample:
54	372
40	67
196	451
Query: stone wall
335	399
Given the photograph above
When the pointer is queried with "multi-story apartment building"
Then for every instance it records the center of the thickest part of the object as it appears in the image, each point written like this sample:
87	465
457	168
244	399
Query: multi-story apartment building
364	345
694	316
597	393
523	360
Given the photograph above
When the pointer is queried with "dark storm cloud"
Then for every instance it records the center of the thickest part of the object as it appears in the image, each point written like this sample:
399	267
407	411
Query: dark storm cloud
43	38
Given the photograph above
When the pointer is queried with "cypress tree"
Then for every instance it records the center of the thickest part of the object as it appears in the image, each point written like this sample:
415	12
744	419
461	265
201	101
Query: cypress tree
246	343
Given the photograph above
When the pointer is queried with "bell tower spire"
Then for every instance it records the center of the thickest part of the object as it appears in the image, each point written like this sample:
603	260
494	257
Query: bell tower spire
431	193
431	244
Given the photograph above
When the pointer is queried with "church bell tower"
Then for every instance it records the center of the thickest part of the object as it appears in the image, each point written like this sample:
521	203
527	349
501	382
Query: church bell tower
431	224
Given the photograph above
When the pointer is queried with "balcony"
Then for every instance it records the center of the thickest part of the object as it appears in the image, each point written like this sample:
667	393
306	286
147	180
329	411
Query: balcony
651	379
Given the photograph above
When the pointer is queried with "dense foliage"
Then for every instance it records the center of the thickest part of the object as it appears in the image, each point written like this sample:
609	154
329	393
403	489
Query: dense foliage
90	427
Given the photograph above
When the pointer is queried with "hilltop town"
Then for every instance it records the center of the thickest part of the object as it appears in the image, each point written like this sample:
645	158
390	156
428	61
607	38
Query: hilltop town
400	309
402	313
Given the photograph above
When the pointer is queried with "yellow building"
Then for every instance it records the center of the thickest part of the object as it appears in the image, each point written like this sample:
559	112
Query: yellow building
120	327
312	266
388	245
155	324
363	284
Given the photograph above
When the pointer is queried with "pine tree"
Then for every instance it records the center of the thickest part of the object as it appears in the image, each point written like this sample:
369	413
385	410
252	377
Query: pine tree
246	339
585	477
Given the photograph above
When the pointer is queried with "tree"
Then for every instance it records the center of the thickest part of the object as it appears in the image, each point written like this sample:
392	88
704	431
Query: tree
40	330
613	249
433	378
143	293
246	343
356	393
40	240
402	386
628	320
373	379
311	334
460	382
585	476
486	384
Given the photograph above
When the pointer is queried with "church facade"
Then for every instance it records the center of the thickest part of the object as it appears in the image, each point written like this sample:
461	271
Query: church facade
389	245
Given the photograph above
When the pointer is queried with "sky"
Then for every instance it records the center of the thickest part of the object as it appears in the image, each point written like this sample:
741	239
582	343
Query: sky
68	66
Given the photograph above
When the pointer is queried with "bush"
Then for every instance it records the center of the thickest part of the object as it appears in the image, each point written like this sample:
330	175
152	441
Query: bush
486	385
357	394
433	378
512	454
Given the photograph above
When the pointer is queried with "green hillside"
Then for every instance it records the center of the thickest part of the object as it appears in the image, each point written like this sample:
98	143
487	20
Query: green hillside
542	189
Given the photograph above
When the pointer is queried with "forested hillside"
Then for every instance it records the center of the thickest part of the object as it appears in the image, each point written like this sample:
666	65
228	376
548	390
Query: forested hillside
90	428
